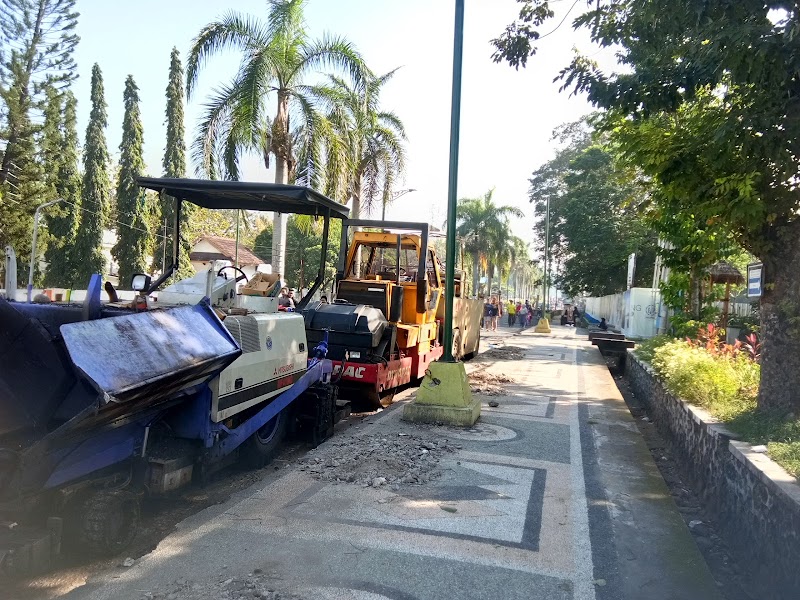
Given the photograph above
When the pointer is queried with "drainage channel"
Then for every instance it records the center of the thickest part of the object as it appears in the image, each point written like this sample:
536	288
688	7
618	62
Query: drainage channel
731	576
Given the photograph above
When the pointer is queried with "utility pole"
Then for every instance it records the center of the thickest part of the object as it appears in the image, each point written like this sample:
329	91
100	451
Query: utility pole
33	244
452	189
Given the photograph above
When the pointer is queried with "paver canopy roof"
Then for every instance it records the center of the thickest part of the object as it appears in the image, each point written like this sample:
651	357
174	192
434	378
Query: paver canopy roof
294	199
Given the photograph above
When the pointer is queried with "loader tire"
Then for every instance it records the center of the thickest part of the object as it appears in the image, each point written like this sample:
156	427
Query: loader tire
109	521
261	447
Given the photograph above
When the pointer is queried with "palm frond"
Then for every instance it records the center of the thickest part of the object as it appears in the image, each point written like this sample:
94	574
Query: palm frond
234	31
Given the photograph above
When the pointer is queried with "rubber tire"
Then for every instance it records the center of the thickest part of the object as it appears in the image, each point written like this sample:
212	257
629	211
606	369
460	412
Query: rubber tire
258	452
108	522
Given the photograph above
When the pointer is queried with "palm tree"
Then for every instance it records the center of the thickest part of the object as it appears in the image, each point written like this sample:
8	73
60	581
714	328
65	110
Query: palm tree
367	156
276	58
484	227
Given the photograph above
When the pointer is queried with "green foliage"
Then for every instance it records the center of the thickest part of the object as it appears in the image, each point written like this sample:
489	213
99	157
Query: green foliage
36	54
720	382
304	248
646	349
365	153
278	58
95	190
133	235
484	227
596	217
63	218
706	101
174	165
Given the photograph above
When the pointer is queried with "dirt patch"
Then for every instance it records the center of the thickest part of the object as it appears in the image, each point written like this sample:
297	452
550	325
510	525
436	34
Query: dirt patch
256	585
503	353
488	384
377	460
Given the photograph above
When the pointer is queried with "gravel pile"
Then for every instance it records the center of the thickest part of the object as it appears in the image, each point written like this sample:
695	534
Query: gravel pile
487	384
377	460
503	353
257	585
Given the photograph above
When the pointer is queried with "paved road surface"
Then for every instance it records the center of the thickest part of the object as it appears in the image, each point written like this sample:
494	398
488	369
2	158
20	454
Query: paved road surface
553	495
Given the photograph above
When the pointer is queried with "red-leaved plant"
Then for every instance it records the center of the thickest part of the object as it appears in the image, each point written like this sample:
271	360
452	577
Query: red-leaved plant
753	347
710	339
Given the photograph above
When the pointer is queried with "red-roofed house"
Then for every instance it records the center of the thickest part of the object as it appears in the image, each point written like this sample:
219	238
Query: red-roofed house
216	251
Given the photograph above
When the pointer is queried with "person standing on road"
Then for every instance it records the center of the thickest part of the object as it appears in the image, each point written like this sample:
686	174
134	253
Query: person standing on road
511	309
495	311
486	320
522	315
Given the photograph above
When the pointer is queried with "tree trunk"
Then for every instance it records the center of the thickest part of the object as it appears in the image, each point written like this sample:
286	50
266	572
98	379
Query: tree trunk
779	389
489	273
476	275
694	293
281	147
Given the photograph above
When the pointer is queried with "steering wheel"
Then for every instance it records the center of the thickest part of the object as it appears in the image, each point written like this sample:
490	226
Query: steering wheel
242	276
391	269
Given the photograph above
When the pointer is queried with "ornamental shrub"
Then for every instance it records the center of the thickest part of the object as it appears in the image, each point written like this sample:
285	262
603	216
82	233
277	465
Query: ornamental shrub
722	382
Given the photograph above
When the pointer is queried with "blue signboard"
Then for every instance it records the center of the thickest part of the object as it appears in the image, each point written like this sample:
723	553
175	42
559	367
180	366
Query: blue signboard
755	273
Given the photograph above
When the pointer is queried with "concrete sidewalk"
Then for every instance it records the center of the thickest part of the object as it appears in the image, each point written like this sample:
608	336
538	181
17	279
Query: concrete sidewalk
552	495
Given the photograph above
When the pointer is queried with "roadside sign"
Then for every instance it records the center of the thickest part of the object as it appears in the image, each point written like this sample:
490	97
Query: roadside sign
755	273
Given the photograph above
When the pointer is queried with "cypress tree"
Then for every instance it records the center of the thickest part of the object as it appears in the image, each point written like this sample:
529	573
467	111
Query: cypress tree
95	192
37	40
62	219
174	165
133	236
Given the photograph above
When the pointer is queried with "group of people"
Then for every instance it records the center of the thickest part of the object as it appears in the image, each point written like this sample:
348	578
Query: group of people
519	313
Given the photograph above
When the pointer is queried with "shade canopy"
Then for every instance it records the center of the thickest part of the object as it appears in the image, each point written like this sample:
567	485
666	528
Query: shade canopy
273	197
725	272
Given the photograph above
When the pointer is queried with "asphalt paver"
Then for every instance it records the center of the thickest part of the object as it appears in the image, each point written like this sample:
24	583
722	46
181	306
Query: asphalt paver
551	495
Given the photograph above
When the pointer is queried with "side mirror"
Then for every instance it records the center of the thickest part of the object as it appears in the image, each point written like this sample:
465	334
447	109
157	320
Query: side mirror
140	282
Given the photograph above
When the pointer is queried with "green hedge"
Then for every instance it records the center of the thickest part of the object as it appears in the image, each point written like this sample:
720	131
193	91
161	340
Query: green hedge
725	382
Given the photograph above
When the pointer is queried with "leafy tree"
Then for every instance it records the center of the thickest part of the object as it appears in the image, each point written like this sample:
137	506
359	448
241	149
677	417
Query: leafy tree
304	247
174	165
596	216
63	218
484	226
368	155
277	57
133	236
36	45
725	74
95	188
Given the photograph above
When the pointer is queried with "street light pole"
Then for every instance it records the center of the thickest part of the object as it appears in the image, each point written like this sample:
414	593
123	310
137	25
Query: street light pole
452	189
394	197
33	244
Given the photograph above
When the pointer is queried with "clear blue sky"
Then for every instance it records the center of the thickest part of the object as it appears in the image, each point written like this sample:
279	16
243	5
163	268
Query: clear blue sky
507	115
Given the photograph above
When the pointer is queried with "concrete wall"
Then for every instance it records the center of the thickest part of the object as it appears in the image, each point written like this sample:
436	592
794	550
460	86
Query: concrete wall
755	503
633	312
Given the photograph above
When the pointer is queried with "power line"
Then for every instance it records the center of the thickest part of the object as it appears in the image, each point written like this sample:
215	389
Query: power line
541	37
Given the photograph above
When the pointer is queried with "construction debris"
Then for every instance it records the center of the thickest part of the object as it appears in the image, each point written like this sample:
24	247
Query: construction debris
503	353
375	461
481	382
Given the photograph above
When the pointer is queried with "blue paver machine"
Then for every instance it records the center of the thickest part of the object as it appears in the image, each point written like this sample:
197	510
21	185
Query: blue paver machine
104	404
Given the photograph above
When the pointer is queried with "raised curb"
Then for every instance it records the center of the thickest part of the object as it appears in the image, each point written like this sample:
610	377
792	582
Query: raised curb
755	501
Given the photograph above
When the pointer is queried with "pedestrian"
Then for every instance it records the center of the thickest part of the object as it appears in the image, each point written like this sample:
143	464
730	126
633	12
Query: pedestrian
495	312
522	313
487	309
511	309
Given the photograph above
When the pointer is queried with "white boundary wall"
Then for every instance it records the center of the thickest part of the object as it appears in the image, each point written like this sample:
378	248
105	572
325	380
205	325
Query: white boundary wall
633	312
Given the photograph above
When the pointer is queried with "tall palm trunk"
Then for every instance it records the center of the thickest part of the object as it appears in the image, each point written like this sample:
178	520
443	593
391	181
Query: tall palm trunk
281	147
476	282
